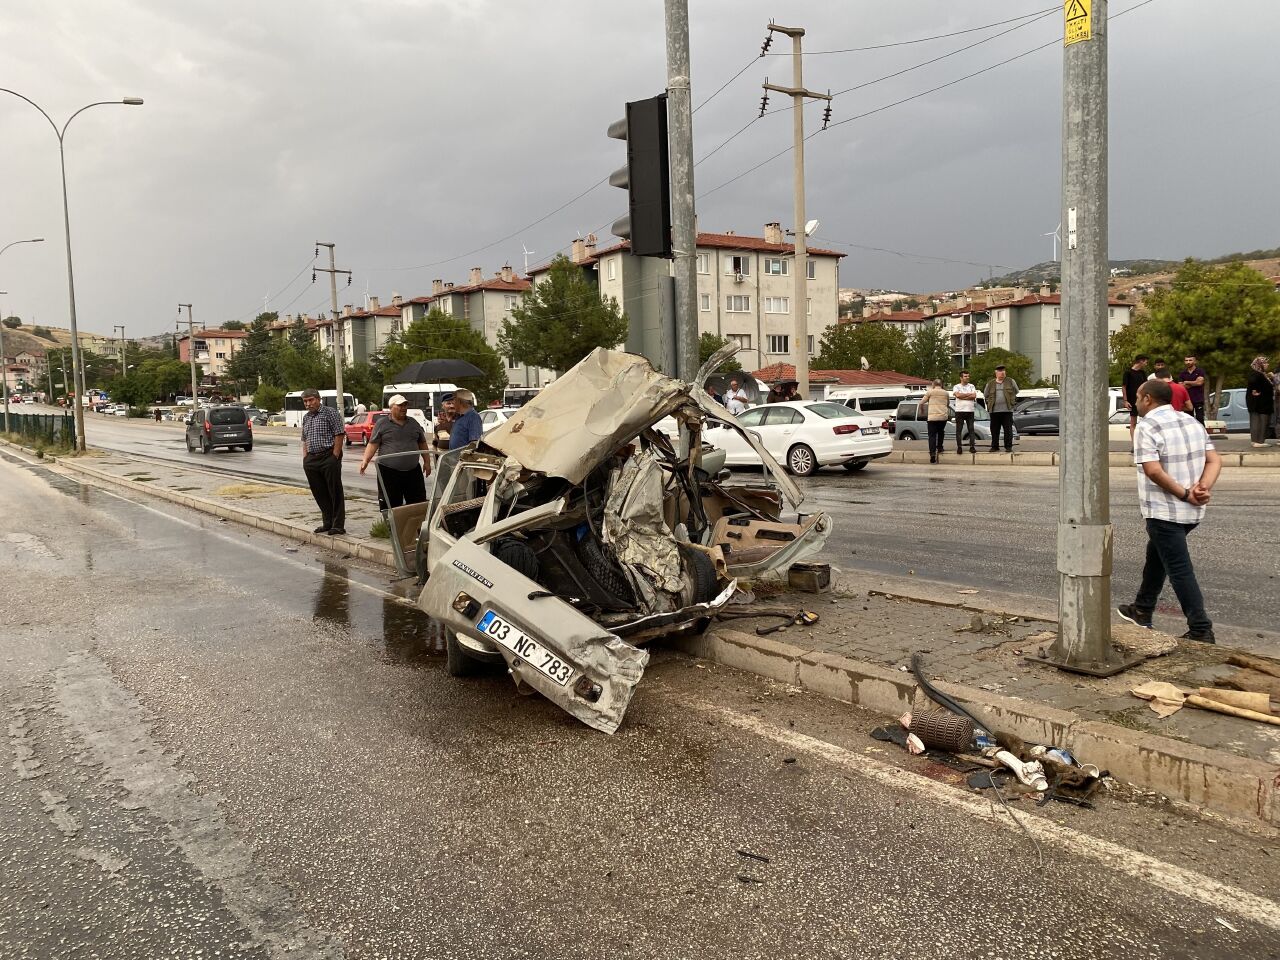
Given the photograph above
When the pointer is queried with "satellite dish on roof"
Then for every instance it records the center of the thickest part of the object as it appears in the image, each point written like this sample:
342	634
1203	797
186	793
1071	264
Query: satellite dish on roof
809	227
865	364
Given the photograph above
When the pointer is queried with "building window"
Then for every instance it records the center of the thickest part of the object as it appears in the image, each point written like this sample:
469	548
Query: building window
740	265
777	304
1057	356
808	306
513	364
446	306
811	344
613	269
779	343
1057	335
1057	313
509	301
737	304
1111	313
704	264
221	356
743	340
776	267
704	301
813	268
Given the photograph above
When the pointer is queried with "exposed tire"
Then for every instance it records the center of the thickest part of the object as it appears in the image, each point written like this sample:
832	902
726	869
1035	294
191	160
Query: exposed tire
853	466
703	571
603	570
456	661
907	435
519	556
801	461
248	447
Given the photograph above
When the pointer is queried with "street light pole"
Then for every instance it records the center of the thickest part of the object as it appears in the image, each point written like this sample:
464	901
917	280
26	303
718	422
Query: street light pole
76	370
4	360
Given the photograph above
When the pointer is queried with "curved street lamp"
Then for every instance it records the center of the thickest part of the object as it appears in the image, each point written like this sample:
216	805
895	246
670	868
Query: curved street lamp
4	363
77	372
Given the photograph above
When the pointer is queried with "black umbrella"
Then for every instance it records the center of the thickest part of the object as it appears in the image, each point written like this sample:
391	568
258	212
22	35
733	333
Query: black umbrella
438	371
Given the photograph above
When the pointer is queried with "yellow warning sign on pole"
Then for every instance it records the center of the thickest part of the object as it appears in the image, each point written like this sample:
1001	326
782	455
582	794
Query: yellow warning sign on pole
1079	21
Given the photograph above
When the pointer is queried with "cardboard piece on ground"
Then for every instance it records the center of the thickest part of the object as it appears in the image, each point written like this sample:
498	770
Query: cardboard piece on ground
1245	679
1261	664
1166	698
1244	699
1198	701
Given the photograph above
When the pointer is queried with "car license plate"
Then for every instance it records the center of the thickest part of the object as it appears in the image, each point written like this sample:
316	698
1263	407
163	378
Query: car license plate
526	648
870	431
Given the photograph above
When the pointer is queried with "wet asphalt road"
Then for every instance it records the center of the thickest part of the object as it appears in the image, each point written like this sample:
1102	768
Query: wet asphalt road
996	528
225	745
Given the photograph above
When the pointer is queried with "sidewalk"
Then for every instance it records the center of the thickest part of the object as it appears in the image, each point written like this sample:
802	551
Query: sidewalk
973	644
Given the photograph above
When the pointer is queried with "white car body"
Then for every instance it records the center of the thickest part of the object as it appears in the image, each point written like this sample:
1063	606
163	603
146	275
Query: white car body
805	435
495	417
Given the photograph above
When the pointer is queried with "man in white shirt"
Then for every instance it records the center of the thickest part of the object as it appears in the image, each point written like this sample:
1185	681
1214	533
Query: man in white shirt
1177	467
965	394
736	400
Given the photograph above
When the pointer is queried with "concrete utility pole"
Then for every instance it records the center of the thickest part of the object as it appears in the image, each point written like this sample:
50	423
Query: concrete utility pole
4	371
124	371
684	232
191	353
339	351
797	92
66	382
1084	528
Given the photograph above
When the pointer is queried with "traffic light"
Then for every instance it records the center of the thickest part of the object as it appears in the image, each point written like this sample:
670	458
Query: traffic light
646	178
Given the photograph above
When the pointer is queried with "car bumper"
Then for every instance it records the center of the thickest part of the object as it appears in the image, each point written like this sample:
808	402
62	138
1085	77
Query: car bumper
844	450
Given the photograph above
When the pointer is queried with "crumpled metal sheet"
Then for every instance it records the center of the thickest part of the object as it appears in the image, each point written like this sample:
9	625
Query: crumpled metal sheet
634	525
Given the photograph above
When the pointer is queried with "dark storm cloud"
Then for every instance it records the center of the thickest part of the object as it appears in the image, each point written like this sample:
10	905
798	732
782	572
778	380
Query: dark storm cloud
414	132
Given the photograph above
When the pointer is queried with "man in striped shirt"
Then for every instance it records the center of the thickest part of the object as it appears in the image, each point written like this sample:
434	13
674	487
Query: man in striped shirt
1177	468
323	434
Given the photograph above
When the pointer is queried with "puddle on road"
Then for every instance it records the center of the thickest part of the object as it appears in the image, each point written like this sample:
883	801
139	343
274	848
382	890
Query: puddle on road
408	635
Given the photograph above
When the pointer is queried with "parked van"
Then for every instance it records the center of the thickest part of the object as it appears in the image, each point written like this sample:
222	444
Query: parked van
880	402
1232	410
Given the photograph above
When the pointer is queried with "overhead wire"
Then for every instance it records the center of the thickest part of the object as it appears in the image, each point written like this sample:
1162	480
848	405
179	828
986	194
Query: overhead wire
939	36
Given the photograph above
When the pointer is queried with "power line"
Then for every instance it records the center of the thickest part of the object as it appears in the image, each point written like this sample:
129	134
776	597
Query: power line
919	256
727	82
940	36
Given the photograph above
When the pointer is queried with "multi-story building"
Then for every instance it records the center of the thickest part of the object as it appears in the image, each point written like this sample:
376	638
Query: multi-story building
362	332
745	291
1032	325
213	351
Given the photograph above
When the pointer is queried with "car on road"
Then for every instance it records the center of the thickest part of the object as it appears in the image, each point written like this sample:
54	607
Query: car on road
1232	409
360	427
222	426
120	410
806	436
277	420
879	402
496	416
1036	415
911	425
564	539
182	401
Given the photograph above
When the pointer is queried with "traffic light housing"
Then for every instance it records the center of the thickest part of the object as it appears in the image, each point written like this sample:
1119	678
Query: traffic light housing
646	178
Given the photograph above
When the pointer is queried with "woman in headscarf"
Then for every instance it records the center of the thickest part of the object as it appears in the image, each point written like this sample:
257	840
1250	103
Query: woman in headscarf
1260	399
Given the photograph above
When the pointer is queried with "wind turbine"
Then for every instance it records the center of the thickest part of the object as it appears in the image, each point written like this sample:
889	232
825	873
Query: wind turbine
527	254
1056	233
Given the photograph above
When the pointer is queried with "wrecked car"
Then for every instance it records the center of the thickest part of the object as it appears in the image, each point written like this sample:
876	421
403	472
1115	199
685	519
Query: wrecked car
574	532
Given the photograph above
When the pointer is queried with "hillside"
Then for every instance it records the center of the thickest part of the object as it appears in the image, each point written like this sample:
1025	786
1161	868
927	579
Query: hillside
23	340
1051	270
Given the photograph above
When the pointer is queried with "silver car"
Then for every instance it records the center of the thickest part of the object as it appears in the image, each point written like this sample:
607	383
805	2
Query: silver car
574	532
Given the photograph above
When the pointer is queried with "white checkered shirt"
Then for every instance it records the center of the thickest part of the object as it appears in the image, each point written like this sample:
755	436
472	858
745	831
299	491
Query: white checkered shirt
1178	442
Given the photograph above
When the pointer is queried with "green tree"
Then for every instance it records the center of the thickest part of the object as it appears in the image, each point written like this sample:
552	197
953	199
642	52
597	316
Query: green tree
364	383
13	323
983	367
708	344
256	360
306	367
561	320
845	344
299	336
1225	315
440	336
43	333
269	397
233	325
930	352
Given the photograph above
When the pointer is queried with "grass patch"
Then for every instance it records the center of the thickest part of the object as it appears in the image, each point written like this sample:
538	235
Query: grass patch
142	479
247	491
380	530
185	489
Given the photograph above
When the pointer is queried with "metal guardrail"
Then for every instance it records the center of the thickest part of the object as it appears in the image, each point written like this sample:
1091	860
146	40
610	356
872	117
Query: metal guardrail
56	429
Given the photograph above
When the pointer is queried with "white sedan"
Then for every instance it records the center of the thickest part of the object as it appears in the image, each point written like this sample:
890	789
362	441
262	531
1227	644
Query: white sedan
805	435
496	417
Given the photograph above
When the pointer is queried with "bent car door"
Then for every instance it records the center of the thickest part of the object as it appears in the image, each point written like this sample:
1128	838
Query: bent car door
548	645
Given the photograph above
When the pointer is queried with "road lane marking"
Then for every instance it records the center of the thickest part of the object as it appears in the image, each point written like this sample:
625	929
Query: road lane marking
1131	863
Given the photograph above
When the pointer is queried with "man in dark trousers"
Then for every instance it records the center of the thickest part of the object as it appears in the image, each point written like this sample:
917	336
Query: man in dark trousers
1177	468
1001	394
1193	378
322	437
1134	377
398	440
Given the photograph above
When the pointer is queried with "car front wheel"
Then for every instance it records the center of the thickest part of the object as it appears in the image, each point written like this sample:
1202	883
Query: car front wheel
456	661
801	461
906	435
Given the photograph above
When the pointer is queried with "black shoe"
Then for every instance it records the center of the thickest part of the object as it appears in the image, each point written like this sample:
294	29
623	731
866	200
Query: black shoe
1205	636
323	528
337	532
933	459
973	449
994	450
1135	616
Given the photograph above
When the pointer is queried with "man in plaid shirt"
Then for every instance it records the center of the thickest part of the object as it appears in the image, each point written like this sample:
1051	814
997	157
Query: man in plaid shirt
323	434
1177	467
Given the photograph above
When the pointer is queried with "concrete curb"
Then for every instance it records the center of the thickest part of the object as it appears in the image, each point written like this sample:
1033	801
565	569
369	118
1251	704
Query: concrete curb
365	551
1234	787
1049	458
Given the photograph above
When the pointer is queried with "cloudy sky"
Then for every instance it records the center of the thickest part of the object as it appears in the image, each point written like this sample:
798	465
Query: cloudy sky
427	137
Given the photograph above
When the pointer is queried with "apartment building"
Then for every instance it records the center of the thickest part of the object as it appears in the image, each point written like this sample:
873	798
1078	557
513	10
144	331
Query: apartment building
362	332
1032	325
213	351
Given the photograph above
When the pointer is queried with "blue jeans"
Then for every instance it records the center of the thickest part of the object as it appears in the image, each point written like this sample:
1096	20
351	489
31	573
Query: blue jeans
1167	555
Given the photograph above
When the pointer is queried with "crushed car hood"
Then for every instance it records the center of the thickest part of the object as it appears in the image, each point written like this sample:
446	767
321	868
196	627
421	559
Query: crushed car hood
605	401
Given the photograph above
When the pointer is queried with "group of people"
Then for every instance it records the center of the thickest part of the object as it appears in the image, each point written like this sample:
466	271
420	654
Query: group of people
1262	392
1000	395
398	443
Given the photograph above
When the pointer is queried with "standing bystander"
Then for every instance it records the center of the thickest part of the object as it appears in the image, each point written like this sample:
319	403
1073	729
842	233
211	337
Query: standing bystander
966	394
322	438
1001	394
1134	377
1181	398
468	427
1193	377
938	403
736	400
1177	468
395	437
1260	399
